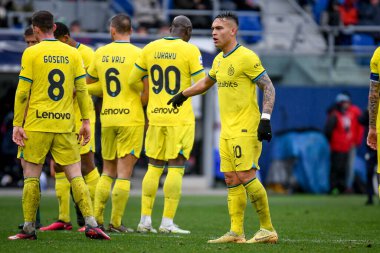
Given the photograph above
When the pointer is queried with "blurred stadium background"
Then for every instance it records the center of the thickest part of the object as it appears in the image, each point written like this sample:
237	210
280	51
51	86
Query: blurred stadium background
310	52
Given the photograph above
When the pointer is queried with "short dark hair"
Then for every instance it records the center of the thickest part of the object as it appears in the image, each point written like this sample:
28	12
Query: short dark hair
122	23
28	31
228	15
61	30
43	20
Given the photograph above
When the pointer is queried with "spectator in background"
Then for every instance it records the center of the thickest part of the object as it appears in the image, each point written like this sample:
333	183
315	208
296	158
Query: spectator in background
348	12
148	14
369	14
338	131
75	27
357	129
202	22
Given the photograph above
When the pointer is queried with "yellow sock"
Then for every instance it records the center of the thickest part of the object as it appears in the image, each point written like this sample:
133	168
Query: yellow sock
120	195
237	201
259	199
91	180
103	189
149	188
30	198
62	191
172	191
82	196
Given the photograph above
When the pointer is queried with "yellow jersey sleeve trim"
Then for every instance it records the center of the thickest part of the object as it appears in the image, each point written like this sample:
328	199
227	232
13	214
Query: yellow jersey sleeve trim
197	72
211	77
258	77
374	77
140	68
92	77
142	78
25	79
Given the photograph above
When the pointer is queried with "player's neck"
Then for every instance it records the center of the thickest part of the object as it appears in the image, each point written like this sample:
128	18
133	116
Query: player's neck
46	36
228	48
120	37
72	42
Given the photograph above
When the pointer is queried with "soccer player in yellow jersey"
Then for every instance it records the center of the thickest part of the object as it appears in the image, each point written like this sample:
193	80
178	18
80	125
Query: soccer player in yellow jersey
49	73
373	138
122	119
236	70
89	171
29	37
171	64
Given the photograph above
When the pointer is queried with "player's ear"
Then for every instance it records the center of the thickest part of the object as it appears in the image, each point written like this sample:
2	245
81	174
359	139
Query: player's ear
54	27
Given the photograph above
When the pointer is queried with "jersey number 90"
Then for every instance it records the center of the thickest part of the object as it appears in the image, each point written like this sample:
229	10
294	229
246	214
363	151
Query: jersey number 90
160	78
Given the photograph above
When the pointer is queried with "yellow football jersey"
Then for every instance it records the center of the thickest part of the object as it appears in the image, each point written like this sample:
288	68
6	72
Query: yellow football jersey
170	63
235	74
87	55
53	69
121	102
375	71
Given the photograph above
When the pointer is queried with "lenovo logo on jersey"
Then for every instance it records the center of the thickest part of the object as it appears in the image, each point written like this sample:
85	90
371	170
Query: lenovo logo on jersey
165	110
53	115
115	111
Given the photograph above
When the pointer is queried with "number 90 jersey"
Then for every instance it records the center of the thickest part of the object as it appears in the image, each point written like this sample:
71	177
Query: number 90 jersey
112	65
52	68
170	64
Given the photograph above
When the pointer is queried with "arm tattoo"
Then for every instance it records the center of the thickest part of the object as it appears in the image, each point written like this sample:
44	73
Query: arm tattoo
373	103
267	87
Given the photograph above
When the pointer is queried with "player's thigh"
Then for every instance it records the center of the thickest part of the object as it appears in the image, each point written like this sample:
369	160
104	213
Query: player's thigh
155	142
108	140
226	157
179	141
87	162
36	147
246	153
129	141
65	149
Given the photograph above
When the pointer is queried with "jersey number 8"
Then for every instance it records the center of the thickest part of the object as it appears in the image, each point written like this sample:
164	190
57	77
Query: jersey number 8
56	84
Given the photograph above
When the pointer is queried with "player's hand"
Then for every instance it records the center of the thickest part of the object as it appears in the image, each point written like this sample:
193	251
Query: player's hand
177	100
264	131
19	136
85	132
372	138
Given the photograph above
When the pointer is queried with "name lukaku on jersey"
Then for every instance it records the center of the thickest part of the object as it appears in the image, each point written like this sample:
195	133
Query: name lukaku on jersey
165	110
53	115
115	111
227	84
165	55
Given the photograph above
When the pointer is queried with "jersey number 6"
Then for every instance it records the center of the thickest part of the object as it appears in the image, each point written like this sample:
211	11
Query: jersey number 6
111	76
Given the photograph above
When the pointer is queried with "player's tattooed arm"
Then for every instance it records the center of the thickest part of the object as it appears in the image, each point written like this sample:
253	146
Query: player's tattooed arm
267	87
373	102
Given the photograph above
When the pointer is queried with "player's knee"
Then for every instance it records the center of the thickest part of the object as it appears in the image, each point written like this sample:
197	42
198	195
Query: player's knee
231	179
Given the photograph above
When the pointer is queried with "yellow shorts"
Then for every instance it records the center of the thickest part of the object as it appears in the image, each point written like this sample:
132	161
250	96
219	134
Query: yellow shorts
91	145
117	142
62	146
239	154
166	142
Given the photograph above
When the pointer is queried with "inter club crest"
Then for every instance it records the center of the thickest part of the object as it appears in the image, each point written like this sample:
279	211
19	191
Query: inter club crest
231	71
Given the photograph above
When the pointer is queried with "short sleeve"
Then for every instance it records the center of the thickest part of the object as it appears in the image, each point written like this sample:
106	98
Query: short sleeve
79	69
26	72
91	70
195	61
212	72
374	65
253	67
141	62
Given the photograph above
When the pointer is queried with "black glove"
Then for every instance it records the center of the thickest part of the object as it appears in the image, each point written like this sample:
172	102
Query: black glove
177	100
264	132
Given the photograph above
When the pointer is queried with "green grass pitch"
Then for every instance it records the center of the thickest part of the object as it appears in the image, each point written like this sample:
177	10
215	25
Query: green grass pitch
304	223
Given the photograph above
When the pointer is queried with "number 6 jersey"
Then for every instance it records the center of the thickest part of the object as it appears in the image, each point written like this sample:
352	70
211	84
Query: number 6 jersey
50	71
111	66
170	63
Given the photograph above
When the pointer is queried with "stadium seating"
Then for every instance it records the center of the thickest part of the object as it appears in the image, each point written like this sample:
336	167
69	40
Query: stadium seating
251	23
362	46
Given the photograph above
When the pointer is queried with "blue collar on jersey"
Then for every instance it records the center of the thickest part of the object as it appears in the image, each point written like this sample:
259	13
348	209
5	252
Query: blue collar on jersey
171	38
49	40
77	45
121	41
233	50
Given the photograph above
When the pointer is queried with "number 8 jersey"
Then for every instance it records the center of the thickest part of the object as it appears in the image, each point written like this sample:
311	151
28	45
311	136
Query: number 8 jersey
111	66
53	69
170	63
